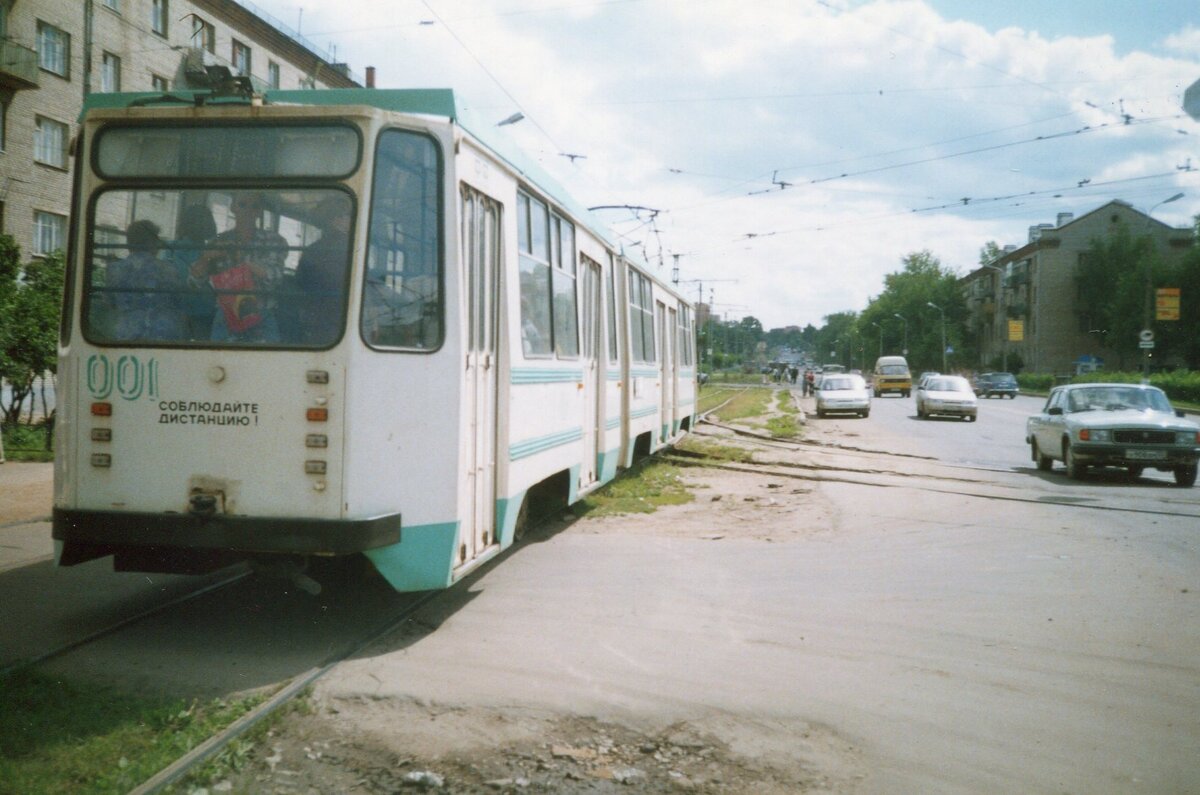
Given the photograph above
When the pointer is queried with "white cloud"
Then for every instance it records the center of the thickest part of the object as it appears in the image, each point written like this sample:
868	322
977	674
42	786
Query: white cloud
690	105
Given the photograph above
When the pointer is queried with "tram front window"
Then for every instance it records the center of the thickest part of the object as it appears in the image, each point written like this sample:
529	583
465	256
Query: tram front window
236	267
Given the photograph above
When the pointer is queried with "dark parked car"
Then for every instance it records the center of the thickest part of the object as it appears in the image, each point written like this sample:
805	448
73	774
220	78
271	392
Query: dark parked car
1002	384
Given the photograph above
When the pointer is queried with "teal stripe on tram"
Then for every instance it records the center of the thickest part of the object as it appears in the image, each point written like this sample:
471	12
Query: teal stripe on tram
543	375
644	373
606	464
507	510
423	559
688	373
528	447
614	375
612	423
645	412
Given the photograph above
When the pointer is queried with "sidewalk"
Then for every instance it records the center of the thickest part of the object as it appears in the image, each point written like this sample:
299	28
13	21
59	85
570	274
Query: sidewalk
26	495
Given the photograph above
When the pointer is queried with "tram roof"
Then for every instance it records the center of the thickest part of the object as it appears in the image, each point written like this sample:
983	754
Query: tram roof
426	101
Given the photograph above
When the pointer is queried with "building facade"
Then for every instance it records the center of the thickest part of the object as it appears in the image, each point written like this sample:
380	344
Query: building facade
1023	303
55	52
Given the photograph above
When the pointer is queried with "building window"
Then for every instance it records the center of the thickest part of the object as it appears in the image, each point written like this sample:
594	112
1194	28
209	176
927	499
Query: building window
308	83
50	142
115	5
160	83
54	49
48	233
110	73
241	58
158	17
204	35
272	74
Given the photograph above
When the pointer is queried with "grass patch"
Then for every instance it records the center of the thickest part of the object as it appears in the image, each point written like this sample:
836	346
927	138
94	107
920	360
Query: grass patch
642	489
59	736
27	442
725	453
747	403
783	426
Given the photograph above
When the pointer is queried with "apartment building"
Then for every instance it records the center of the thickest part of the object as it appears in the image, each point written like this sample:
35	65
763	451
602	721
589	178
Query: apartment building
55	52
1023	303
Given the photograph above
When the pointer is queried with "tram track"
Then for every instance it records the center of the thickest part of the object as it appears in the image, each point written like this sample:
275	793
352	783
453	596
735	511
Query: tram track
818	472
117	626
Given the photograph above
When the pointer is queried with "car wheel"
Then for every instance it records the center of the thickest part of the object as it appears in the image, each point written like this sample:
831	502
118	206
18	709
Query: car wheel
821	413
866	414
1076	469
1134	470
1044	462
1186	476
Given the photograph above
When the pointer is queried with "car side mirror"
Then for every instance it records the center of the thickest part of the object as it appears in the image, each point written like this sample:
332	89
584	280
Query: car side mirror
1054	411
1180	413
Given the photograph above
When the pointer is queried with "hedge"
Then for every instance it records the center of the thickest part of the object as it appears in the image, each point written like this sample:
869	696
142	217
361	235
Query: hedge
1180	385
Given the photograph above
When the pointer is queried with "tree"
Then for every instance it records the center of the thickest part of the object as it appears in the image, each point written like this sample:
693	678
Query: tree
990	252
29	316
908	292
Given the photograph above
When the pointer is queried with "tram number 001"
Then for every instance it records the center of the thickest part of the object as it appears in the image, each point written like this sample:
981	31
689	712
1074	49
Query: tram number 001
130	376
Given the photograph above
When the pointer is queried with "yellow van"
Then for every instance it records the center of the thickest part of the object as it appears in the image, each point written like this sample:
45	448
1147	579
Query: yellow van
892	375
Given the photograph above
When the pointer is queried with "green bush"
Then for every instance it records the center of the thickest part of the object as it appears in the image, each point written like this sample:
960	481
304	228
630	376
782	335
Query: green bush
1181	386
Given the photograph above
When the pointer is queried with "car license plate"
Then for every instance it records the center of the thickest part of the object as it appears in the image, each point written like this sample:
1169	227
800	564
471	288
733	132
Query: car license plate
1146	455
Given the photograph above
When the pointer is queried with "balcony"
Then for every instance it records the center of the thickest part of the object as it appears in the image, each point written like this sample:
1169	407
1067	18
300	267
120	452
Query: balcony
18	66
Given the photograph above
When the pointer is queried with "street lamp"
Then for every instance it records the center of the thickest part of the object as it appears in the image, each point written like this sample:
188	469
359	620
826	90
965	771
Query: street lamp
1148	315
943	314
1003	314
905	321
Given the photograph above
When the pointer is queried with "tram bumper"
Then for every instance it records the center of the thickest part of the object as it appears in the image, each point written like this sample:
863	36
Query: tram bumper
190	543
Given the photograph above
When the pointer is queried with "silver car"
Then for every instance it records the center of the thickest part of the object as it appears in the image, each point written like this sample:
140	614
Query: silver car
843	392
946	394
1124	425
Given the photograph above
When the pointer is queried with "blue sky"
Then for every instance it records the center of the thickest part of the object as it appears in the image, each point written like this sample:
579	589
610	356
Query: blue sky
897	125
1133	24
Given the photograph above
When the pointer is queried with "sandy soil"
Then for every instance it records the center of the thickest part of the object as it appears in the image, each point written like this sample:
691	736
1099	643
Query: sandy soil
26	491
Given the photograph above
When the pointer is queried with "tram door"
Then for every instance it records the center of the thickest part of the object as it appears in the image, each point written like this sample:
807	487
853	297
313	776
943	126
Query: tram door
666	325
481	256
593	374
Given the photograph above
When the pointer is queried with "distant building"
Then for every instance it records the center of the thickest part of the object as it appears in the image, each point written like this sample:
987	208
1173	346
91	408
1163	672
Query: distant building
54	52
1030	290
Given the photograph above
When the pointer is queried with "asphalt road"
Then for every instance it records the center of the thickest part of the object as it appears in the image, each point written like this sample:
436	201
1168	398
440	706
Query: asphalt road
949	620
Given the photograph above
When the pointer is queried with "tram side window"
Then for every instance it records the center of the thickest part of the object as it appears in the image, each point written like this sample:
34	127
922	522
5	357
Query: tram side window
402	297
533	241
611	303
686	338
641	318
563	278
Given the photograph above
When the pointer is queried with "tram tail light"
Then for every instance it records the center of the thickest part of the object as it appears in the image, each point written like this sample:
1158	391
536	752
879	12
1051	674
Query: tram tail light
101	409
317	414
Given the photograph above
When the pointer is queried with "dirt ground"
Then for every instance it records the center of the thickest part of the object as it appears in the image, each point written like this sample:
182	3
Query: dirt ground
386	745
25	491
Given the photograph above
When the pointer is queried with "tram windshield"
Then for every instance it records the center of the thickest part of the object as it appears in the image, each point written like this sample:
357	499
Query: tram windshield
185	261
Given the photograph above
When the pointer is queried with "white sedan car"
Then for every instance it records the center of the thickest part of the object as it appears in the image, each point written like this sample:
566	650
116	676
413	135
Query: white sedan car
845	393
947	394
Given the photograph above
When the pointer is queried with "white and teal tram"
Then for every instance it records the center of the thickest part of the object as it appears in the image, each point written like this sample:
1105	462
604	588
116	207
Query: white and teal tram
324	323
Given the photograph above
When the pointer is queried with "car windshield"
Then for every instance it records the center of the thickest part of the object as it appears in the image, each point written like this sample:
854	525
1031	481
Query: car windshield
949	384
842	383
1117	398
893	369
1003	379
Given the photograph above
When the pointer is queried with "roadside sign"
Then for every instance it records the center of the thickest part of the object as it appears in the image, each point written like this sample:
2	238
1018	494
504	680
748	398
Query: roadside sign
1016	330
1145	335
1147	344
1166	303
